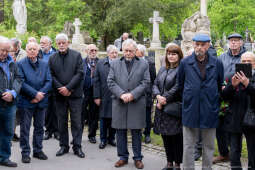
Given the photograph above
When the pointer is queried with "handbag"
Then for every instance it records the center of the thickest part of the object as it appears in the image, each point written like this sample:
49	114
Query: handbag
249	117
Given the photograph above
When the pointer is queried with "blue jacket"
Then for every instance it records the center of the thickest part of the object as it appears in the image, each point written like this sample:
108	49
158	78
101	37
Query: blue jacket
36	77
200	98
88	81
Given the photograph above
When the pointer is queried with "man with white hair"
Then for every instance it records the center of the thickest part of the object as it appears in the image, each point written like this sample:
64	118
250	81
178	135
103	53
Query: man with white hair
140	52
67	76
10	83
46	48
102	97
128	80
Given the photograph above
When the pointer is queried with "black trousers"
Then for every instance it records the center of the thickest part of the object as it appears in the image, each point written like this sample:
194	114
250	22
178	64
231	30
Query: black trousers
250	140
223	138
174	147
90	112
74	105
51	120
147	129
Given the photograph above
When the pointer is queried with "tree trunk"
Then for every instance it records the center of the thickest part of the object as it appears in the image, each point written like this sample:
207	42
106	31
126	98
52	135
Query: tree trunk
1	11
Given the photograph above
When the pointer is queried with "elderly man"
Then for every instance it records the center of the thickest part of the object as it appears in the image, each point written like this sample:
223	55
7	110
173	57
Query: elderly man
102	97
19	53
51	121
200	77
128	80
140	52
33	101
90	109
229	59
10	83
31	39
67	76
118	42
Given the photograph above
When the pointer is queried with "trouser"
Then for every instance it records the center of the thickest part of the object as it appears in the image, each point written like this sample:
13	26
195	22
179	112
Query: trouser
223	138
174	147
38	115
147	129
235	150
122	148
7	122
190	136
106	128
250	140
74	105
90	111
51	120
198	146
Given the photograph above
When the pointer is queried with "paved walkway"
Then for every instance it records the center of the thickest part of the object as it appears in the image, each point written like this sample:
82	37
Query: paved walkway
96	159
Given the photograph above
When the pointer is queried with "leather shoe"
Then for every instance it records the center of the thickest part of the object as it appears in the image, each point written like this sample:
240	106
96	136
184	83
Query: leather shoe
198	154
56	135
147	139
62	151
92	140
40	155
139	164
220	159
79	153
112	143
120	163
15	138
102	145
47	136
25	159
8	163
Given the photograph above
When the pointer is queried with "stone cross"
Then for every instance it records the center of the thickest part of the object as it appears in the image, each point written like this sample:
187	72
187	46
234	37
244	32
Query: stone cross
77	23
203	7
155	35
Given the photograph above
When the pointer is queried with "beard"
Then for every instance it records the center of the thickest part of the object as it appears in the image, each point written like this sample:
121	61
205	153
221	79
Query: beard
199	53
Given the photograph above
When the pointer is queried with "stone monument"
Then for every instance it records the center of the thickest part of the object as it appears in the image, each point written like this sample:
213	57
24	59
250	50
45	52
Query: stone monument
155	43
248	44
20	15
197	23
77	37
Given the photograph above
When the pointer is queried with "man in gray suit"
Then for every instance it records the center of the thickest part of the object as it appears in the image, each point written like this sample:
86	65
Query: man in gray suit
127	80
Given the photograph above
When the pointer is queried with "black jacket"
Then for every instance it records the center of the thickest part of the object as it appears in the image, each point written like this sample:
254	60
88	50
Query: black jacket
67	70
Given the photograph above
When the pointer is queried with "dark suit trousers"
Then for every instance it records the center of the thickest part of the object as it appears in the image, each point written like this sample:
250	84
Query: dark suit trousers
106	128
223	138
74	105
51	121
147	130
250	140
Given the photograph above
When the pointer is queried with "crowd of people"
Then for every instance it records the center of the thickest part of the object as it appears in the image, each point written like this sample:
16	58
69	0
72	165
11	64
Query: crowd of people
51	86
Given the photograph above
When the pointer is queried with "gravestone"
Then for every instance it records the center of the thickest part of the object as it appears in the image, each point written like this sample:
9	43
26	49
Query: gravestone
69	29
248	43
86	37
20	15
156	20
140	37
203	7
77	37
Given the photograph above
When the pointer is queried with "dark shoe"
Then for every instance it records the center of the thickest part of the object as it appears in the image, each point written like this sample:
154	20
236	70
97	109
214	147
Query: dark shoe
79	153
102	145
15	138
92	140
112	143
147	139
71	142
25	159
47	136
198	154
167	168
8	163
62	151
139	164
56	135
220	159
40	155
120	163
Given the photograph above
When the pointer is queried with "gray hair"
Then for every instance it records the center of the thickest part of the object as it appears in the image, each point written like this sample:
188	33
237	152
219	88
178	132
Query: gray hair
17	42
128	42
248	53
34	43
32	39
61	36
46	37
4	39
111	48
141	48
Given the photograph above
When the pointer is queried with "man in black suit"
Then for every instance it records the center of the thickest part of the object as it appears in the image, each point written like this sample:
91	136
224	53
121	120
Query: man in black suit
140	52
67	75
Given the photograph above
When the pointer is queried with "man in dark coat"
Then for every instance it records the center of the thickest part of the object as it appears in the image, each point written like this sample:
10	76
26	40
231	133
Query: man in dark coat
140	52
128	80
200	78
90	111
10	83
102	97
67	76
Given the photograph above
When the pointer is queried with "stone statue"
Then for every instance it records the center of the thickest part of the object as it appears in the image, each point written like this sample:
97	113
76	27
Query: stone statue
20	15
197	23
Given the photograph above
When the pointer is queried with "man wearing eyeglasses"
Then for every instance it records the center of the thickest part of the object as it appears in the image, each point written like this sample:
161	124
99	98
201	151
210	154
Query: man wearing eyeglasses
90	110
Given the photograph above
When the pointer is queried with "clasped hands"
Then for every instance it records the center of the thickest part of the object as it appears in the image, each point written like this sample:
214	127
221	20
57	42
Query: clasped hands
240	78
127	97
64	91
39	96
7	96
161	101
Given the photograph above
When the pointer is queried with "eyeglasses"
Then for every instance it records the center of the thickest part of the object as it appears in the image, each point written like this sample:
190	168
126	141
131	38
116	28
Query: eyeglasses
93	50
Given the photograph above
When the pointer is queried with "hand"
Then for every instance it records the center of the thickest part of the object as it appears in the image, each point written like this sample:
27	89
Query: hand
34	101
64	91
235	81
161	99
159	106
124	98
130	97
243	79
97	101
39	96
223	87
7	96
